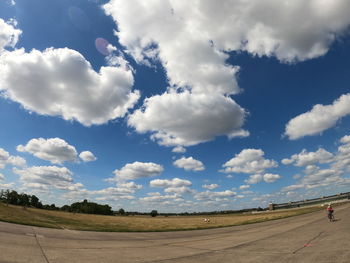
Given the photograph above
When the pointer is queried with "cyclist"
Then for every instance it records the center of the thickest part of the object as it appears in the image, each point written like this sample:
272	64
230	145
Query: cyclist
330	212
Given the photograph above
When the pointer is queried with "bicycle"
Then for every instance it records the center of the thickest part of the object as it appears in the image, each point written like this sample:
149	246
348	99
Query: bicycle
331	217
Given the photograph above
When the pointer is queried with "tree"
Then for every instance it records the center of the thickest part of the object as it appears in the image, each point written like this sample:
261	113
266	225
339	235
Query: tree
13	198
23	200
34	201
154	213
121	212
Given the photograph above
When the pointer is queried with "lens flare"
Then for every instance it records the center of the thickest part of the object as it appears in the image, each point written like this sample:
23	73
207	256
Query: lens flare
101	45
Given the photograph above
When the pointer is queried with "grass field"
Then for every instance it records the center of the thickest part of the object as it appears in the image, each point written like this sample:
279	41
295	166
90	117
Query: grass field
58	219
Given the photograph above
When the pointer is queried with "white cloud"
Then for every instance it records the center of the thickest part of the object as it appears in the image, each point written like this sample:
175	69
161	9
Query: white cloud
122	191
345	139
186	118
249	161
47	176
130	185
239	134
178	149
55	150
8	34
189	164
297	176
214	196
335	175
200	37
316	177
319	119
136	170
179	190
270	28
6	186
158	198
87	156
196	107
176	185
254	179
158	24
342	157
6	158
243	187
175	182
268	178
60	82
307	158
16	161
210	186
2	177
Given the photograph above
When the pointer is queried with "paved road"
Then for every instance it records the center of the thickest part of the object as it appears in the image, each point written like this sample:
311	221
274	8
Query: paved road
306	238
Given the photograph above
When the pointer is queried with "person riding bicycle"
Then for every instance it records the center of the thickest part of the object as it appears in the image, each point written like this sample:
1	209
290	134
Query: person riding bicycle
330	212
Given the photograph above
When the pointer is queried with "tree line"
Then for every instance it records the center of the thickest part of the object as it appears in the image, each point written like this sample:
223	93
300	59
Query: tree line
25	200
86	207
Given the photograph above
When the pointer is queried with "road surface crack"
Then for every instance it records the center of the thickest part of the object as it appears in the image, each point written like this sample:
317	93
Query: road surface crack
41	248
308	243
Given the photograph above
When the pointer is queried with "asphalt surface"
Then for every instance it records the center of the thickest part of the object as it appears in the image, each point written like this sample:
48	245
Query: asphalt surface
306	238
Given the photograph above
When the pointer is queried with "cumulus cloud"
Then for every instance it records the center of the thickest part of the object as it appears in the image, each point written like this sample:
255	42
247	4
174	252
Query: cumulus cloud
243	187
307	158
136	170
269	28
179	149
257	178
47	177
175	182
196	107
122	191
87	156
163	199
270	178
345	139
210	186
201	37
179	190
9	34
336	174
175	186
316	177
318	119
249	161
55	150
254	179
6	158
60	82
187	119
214	196
189	164
342	157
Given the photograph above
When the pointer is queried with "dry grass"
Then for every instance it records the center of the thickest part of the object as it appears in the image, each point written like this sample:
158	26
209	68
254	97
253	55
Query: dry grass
58	219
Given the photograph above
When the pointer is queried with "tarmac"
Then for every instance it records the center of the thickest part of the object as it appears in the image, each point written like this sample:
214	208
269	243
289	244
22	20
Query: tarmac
305	238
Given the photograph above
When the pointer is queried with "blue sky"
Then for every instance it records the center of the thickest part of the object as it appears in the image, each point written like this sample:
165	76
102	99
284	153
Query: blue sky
172	106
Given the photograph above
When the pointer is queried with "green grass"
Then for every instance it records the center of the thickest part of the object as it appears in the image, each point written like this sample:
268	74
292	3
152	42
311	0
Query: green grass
73	221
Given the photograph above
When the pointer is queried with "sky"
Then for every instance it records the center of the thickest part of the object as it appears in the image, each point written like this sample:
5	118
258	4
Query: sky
175	106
